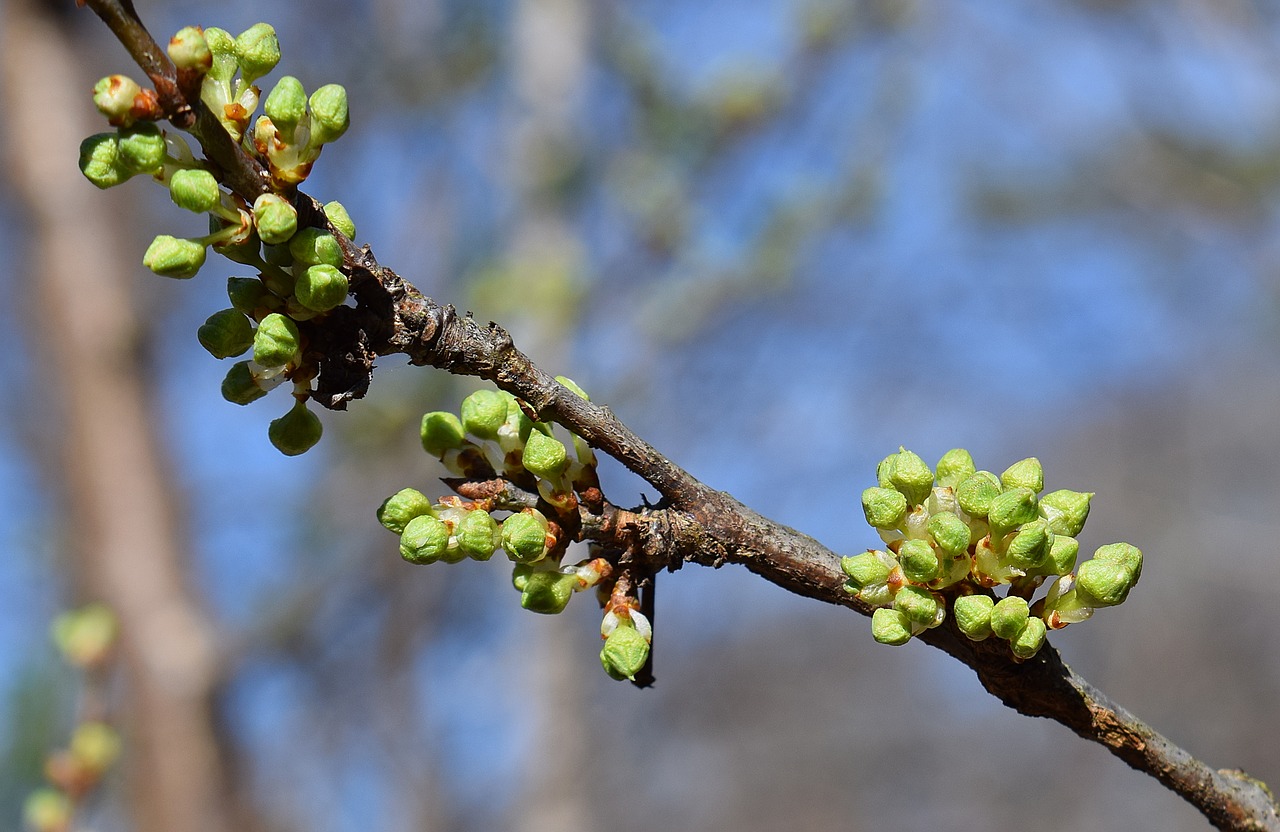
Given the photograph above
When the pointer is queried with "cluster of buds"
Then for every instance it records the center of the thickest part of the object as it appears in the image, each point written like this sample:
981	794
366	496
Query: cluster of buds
957	535
300	273
86	638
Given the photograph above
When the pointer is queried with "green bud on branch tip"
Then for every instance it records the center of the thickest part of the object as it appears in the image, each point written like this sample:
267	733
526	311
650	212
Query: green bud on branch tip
1030	546
624	653
1025	473
919	563
223	48
547	592
246	294
864	570
975	494
917	604
239	386
484	412
257	51
194	190
1066	510
100	161
329	115
1011	509
297	431
286	104
142	148
910	475
545	456
949	532
313	246
113	96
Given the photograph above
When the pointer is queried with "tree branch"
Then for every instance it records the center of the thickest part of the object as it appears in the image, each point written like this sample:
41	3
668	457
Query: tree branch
696	523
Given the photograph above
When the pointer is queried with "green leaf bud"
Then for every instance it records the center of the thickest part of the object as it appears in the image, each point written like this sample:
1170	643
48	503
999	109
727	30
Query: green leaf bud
397	510
1025	473
911	476
949	532
1062	555
1029	641
142	148
865	570
275	218
1030	546
226	333
313	246
975	493
1011	509
1104	583
286	105
1008	617
95	746
545	456
955	467
917	604
277	341
1066	510
239	386
441	431
189	50
577	391
1121	554
547	592
321	288
257	51
329	115
223	48
194	190
478	535
174	257
624	653
246	294
524	537
340	219
47	810
973	615
113	96
424	539
483	412
884	508
297	431
100	160
890	626
919	563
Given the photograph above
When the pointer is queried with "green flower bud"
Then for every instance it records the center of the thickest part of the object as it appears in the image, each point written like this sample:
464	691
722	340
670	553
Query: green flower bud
1011	509
1062	555
884	508
1009	616
277	341
520	575
918	604
397	510
577	391
100	161
890	626
113	96
547	592
884	471
955	467
441	431
239	386
257	51
189	50
483	412
142	148
1025	473
865	570
1030	546
226	333
174	257
624	653
478	535
329	116
286	105
1066	510
297	431
973	615
195	190
275	218
223	48
1029	641
47	810
975	493
911	476
919	563
949	532
424	539
1104	583
545	456
1121	554
524	536
313	246
321	288
95	746
340	219
246	294
86	635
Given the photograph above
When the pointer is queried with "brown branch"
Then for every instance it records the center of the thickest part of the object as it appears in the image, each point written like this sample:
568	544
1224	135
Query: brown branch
696	522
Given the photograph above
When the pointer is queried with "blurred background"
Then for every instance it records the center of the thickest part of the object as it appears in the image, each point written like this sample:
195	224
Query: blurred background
779	239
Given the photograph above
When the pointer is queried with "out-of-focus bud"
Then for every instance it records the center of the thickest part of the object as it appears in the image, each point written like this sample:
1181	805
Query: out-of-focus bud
275	218
478	535
424	540
195	190
100	161
226	333
174	257
919	563
297	431
1031	638
86	635
95	745
277	341
286	105
524	536
624	653
1066	510
189	50
257	51
340	219
113	96
240	386
440	432
1009	616
976	492
313	246
401	507
329	115
884	508
890	626
321	288
572	385
973	615
1025	473
955	467
47	810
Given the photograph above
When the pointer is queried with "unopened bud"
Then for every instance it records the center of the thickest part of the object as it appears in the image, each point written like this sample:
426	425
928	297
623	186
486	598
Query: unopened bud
917	604
223	48
547	592
277	341
195	190
85	636
1025	473
313	246
440	432
424	540
174	257
1066	510
113	96
329	115
1102	582
1008	617
257	51
1011	509
919	563
949	532
1030	547
397	510
973	615
340	219
142	148
100	161
246	294
286	105
975	494
884	508
297	431
483	412
545	456
478	535
890	626
911	476
1030	639
624	653
955	467
865	570
95	745
321	288
524	536
240	386
275	218
189	50
47	810
226	333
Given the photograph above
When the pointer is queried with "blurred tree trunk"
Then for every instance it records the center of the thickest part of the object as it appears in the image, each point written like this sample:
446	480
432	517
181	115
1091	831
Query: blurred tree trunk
118	498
